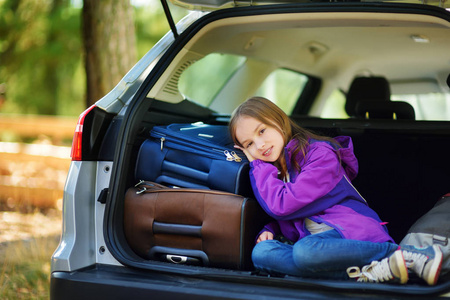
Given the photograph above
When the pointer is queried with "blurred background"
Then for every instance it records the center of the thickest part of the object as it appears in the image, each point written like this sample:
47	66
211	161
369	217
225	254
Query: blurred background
57	57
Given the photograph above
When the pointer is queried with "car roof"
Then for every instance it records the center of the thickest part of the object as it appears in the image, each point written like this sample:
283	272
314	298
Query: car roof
211	5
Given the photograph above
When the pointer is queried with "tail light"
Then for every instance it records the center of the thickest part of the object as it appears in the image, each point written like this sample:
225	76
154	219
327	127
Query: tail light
77	143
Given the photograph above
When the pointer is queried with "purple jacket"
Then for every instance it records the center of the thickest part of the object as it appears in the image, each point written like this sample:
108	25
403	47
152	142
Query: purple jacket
321	191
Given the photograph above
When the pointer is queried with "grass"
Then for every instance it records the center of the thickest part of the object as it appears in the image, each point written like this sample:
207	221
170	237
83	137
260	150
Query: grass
25	268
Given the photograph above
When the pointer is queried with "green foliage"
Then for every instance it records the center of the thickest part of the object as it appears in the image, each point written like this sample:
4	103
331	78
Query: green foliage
151	24
41	53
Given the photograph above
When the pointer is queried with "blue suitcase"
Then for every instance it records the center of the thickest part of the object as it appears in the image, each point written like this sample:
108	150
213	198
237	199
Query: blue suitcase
194	156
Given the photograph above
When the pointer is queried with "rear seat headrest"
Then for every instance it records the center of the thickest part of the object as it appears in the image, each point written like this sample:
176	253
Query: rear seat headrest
394	110
366	89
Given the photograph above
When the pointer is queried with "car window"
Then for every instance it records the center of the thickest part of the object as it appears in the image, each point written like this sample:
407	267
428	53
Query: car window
334	107
204	79
283	87
429	106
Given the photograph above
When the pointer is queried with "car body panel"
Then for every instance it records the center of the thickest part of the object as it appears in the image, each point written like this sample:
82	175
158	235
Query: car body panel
76	249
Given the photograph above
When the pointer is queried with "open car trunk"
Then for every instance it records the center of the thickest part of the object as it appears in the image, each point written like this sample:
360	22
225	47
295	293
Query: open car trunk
402	175
403	164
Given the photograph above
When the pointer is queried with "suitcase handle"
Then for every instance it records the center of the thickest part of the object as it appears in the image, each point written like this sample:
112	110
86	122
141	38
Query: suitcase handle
178	259
179	256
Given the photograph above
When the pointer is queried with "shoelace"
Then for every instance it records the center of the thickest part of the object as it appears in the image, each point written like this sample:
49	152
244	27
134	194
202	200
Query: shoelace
415	261
377	271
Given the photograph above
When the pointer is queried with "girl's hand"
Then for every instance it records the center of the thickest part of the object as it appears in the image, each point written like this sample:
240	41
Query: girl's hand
248	155
266	235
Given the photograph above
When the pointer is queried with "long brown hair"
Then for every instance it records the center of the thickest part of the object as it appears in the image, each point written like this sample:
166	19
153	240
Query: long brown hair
270	114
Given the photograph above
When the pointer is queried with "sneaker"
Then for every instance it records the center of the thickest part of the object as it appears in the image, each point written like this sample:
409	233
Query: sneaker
424	262
390	269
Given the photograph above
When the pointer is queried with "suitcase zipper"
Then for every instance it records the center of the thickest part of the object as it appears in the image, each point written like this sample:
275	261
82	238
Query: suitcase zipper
236	157
229	156
232	156
144	186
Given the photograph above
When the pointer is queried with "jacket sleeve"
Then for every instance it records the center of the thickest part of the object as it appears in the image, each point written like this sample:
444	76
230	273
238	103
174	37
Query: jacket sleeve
320	173
272	227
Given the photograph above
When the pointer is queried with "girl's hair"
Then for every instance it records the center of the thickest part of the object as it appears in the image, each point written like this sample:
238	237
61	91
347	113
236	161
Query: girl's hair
270	114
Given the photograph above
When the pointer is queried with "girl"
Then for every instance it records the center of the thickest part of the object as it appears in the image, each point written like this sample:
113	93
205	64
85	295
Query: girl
302	180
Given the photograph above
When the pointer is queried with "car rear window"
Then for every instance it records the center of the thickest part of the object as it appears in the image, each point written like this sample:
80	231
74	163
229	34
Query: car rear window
203	80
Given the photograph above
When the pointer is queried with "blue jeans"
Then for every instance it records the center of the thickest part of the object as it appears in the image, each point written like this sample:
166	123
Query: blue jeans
321	255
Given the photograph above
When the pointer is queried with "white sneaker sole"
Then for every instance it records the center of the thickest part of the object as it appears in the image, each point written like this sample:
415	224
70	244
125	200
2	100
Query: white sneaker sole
401	266
435	268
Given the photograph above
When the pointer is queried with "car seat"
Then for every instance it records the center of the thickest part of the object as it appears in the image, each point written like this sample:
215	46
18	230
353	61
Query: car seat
370	98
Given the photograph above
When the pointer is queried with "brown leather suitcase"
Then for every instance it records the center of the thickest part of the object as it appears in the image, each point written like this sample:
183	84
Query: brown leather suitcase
192	226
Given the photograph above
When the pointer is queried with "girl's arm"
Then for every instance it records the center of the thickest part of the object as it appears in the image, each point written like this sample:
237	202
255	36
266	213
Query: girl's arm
320	173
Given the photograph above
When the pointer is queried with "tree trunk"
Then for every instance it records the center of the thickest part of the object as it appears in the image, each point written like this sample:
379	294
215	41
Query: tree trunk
109	44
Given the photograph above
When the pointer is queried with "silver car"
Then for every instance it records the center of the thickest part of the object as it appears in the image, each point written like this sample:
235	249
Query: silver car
304	55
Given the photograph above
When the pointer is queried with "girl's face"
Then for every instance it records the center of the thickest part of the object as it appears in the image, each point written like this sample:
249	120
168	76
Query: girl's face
260	140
